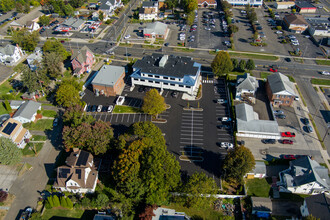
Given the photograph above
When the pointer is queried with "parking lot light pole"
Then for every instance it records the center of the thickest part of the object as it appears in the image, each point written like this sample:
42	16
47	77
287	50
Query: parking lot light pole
326	133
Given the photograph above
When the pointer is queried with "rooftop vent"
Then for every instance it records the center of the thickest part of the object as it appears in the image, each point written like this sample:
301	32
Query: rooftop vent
163	61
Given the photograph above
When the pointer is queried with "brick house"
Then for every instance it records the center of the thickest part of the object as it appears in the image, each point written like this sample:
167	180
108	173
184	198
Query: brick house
109	81
280	90
82	60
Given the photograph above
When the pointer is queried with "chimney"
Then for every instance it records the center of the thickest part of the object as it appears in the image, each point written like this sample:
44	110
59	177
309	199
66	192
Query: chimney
75	149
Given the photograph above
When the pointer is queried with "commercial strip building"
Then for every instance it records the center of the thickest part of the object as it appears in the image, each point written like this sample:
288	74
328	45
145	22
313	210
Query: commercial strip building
167	72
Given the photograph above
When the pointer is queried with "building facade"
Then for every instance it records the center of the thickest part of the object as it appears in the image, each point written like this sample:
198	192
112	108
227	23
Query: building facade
254	3
318	26
14	130
27	112
207	3
82	61
295	23
156	30
10	54
167	72
246	86
304	7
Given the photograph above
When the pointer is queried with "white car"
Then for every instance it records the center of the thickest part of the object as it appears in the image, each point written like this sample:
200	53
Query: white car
221	101
295	43
120	100
225	119
99	108
279	32
226	145
127	36
110	108
325	73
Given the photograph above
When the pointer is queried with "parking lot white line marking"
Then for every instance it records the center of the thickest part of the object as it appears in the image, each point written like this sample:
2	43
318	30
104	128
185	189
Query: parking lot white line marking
128	117
122	117
166	93
199	128
191	143
194	139
195	135
117	117
192	147
134	102
188	130
129	104
190	123
111	117
134	118
140	117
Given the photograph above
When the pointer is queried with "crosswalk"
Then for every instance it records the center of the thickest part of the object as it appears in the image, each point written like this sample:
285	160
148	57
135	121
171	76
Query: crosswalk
208	81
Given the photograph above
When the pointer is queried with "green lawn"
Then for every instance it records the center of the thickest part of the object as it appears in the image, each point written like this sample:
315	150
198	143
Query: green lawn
198	213
253	56
325	82
237	73
323	62
64	213
184	49
2	109
49	113
27	152
5	87
258	187
291	78
40	125
126	109
38	138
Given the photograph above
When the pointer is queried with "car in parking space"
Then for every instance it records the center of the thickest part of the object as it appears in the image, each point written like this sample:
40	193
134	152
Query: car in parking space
127	36
308	129
225	119
89	108
207	28
82	94
127	54
110	108
55	122
175	94
99	108
278	112
268	141
295	43
327	73
94	107
223	126
305	121
272	70
286	141
288	134
194	26
120	100
280	116
288	157
226	145
166	44
287	59
279	32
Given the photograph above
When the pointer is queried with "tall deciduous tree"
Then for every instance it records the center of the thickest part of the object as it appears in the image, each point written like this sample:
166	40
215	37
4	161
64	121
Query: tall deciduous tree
77	3
250	64
221	64
190	5
153	103
67	93
6	5
25	39
171	4
237	163
53	64
241	65
44	20
75	116
10	154
55	46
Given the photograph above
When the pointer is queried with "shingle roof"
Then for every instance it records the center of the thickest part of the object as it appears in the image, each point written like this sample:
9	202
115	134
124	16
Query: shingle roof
148	4
8	49
80	55
304	4
108	75
247	82
262	204
73	22
27	109
319	206
278	82
295	19
175	66
207	1
105	4
157	28
247	121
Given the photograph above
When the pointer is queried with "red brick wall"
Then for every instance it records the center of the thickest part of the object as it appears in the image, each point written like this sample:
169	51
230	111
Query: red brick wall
112	91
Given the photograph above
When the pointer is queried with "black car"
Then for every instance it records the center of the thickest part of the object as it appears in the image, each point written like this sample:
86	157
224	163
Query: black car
166	44
280	116
308	129
305	121
268	141
287	59
175	94
89	108
94	107
141	89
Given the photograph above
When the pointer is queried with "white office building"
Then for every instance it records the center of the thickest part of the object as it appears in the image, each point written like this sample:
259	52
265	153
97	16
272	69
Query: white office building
254	3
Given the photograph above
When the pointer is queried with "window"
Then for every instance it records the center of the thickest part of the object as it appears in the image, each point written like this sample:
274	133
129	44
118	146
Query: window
157	82
180	85
188	87
150	81
156	76
165	77
172	84
150	75
142	80
165	83
277	96
172	78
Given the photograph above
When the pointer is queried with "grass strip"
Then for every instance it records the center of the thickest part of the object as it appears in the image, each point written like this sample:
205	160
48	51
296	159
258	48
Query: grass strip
253	56
316	131
184	49
323	62
301	96
126	109
38	138
324	82
40	125
49	113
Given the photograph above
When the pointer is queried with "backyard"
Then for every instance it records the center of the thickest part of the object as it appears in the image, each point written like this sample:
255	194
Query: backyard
62	213
258	187
40	125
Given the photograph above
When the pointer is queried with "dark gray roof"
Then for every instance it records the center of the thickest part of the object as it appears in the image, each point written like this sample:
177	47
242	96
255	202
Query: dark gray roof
262	204
279	82
304	4
108	75
73	22
146	4
27	109
105	4
318	23
319	206
247	82
80	54
175	66
248	121
305	170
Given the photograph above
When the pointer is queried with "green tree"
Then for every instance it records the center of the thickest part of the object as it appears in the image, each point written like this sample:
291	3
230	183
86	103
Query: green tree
56	201
44	20
77	3
250	65
75	116
6	5
189	5
190	18
50	202
63	202
53	64
7	106
85	202
310	217
153	103
279	28
25	39
30	79
171	4
233	28
69	203
199	184
102	201
293	10
67	93
10	154
101	15
237	163
241	65
221	64
235	63
55	46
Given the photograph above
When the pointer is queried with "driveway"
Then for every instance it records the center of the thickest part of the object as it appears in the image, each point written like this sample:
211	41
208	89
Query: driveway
8	176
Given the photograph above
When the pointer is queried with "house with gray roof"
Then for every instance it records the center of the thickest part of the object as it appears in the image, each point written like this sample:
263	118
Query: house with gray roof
109	81
317	206
261	207
15	104
109	6
27	112
259	171
34	59
10	54
280	90
74	23
249	125
156	30
304	176
246	86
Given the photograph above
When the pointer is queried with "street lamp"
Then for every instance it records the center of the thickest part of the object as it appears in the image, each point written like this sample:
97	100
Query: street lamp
326	133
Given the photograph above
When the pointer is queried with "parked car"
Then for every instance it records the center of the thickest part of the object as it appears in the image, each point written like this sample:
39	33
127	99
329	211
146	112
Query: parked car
120	100
99	108
174	94
279	32
226	145
110	108
26	213
223	126
287	59
94	107
288	134
55	122
272	70
305	121
268	141
325	73
127	36
225	119
308	129
82	94
221	101
288	157
278	112
280	116
285	141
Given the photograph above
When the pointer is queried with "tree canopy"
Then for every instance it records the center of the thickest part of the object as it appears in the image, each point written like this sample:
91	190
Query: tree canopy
144	169
171	4
75	116
10	154
44	20
189	5
25	39
221	64
67	93
250	64
153	103
53	64
55	46
237	163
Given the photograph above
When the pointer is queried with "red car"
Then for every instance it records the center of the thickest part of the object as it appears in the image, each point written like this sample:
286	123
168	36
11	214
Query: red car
288	134
288	157
285	141
272	70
